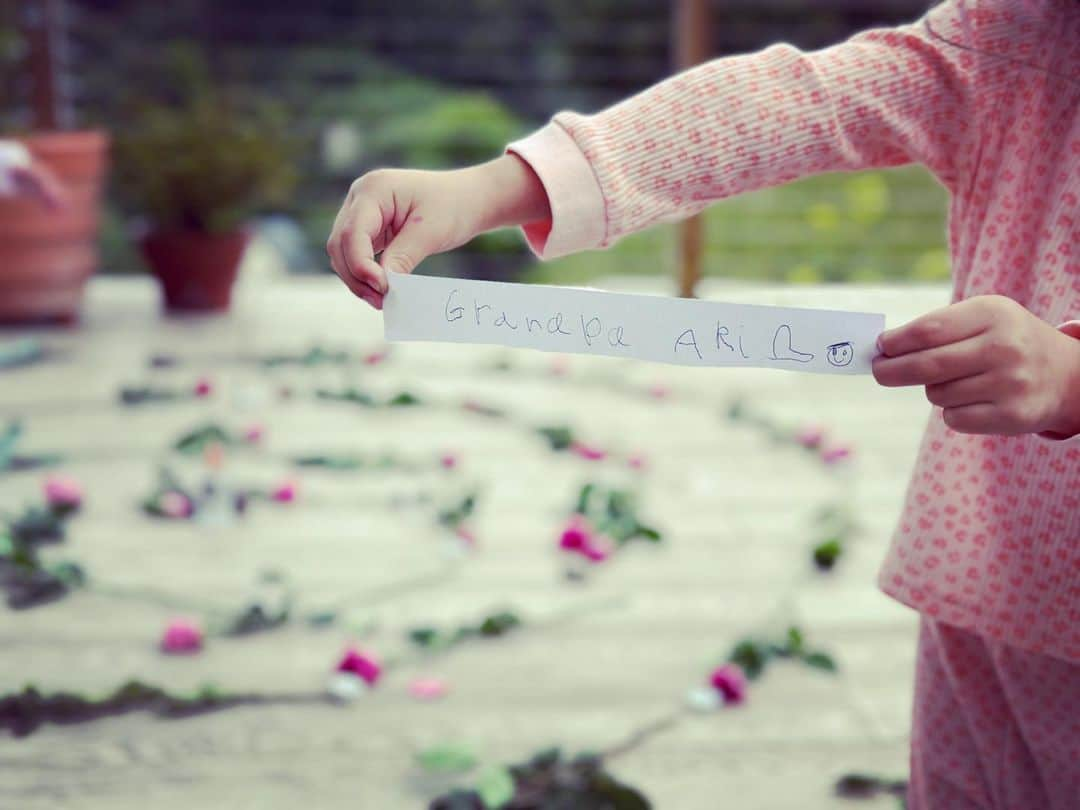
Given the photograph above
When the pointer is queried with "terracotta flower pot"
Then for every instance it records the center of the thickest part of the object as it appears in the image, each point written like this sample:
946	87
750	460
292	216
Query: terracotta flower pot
196	270
47	256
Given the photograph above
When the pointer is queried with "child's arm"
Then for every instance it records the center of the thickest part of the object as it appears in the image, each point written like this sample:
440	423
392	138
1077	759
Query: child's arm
881	99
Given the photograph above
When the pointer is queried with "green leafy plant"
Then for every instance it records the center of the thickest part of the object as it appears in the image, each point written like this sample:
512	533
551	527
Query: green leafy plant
203	159
753	654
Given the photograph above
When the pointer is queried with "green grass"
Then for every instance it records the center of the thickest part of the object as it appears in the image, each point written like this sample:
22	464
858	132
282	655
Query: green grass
868	226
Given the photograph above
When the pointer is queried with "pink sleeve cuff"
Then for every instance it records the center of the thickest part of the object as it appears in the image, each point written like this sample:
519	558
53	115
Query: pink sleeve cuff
578	220
1072	329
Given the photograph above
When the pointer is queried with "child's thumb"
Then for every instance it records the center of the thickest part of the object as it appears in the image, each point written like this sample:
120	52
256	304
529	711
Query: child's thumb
408	249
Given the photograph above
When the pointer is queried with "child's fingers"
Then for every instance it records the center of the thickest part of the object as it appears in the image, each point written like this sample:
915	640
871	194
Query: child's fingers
939	328
981	418
972	390
932	366
406	250
360	226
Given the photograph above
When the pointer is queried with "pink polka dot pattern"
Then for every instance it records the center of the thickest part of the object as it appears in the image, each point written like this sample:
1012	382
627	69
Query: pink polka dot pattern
986	94
994	727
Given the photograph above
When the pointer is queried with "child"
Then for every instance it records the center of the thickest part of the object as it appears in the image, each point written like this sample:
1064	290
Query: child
986	94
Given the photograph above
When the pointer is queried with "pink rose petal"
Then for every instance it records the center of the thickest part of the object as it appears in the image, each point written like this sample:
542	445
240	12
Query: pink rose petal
587	451
181	636
285	492
254	433
362	664
63	491
598	549
203	387
448	461
576	535
636	462
811	437
428	688
730	681
175	505
835	454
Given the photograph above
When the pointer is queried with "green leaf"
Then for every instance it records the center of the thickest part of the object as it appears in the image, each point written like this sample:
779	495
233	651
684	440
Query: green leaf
404	398
794	644
827	553
496	787
424	636
820	660
447	758
751	656
559	437
197	440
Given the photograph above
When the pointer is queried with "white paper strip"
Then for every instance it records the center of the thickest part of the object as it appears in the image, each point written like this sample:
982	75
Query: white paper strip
646	327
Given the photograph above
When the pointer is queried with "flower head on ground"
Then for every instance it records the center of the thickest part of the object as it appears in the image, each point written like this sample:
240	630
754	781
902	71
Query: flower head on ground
63	492
181	636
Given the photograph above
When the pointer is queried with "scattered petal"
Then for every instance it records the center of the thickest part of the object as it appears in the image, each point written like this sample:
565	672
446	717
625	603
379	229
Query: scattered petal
466	536
811	437
636	462
214	455
598	549
375	358
254	433
63	492
285	492
730	682
176	505
448	461
181	636
428	688
835	454
659	391
203	387
560	366
576	535
361	664
703	699
587	451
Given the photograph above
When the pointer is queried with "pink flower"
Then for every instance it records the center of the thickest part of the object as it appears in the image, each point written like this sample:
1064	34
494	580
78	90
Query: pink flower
730	681
203	387
175	504
254	433
63	492
598	549
811	437
428	688
588	452
448	461
659	391
835	454
636	462
181	636
285	492
364	665
576	535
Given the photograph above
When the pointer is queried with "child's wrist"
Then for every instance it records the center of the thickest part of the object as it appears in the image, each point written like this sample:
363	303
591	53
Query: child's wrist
1067	423
511	193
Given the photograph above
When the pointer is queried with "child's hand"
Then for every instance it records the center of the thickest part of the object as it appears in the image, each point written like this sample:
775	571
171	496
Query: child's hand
409	215
992	365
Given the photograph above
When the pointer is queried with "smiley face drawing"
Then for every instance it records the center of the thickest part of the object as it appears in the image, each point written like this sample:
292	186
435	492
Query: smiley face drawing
840	354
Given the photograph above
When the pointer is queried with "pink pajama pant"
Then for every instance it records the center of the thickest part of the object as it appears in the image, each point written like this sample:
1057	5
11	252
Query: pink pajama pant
994	726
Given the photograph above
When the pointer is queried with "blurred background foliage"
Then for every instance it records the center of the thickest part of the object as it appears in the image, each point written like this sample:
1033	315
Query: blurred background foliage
431	84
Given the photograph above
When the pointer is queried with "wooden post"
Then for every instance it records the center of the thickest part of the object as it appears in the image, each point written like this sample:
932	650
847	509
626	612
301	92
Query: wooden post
691	47
42	24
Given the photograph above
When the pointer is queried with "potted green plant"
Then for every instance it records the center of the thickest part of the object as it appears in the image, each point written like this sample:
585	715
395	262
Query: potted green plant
196	167
46	256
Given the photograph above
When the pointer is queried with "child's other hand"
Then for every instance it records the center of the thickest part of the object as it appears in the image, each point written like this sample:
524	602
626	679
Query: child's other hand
991	365
409	215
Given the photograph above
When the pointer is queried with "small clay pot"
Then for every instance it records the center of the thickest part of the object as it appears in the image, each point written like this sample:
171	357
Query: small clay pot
46	256
196	270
